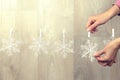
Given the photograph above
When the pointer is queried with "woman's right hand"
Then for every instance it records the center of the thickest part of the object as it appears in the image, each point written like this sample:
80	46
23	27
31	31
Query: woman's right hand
95	21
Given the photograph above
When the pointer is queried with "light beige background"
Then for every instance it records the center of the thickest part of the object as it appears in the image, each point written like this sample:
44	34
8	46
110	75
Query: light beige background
27	17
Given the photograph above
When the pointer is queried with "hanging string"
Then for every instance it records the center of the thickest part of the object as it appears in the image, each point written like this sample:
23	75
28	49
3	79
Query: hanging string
113	33
89	34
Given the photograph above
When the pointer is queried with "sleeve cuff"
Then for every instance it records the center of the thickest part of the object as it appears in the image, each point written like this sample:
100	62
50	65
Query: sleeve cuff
117	3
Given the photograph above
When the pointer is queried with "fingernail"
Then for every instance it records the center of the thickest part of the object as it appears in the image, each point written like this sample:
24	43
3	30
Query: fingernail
88	29
94	54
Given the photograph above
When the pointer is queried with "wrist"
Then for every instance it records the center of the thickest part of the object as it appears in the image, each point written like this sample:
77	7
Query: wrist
117	42
115	10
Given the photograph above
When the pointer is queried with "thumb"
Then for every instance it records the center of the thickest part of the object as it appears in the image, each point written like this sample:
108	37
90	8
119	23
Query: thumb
99	53
103	59
93	26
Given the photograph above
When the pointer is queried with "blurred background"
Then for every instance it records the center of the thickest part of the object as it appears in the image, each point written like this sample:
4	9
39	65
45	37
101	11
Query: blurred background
36	39
47	40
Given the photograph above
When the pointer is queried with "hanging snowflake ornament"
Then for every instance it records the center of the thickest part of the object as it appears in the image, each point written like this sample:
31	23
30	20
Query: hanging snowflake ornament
10	45
64	47
39	46
111	38
89	48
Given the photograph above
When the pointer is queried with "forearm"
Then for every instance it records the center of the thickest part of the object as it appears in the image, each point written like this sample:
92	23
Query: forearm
117	42
115	10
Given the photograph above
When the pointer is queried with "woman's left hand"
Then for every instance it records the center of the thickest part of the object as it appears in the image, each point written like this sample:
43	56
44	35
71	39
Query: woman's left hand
107	56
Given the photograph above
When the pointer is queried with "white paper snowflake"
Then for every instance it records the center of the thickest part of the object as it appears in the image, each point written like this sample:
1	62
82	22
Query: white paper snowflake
106	41
89	48
64	46
39	46
111	38
10	45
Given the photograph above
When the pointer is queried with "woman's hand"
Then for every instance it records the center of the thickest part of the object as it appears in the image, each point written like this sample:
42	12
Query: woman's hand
95	21
107	56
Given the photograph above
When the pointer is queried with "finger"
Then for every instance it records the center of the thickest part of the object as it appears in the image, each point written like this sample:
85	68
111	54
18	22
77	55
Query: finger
103	63
94	30
103	59
89	23
110	63
93	26
114	61
99	53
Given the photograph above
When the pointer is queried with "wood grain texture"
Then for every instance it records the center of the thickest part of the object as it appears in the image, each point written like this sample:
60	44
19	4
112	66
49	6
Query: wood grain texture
28	17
